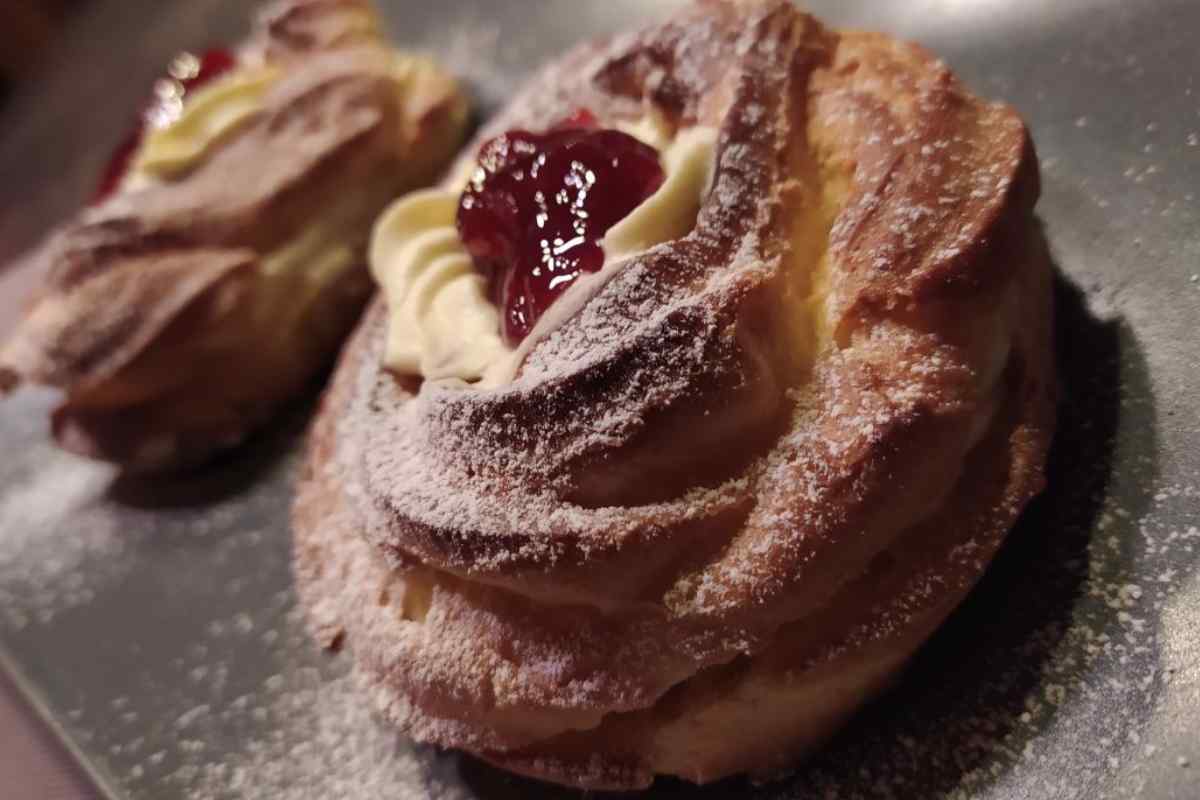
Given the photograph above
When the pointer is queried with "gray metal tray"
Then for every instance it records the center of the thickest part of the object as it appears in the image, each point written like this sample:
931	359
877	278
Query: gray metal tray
153	624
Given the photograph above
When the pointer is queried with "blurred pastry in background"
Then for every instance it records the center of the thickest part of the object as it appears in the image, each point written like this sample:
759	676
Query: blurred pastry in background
222	261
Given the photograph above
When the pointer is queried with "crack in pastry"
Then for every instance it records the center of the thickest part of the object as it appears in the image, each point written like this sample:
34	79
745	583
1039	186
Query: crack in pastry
224	262
735	488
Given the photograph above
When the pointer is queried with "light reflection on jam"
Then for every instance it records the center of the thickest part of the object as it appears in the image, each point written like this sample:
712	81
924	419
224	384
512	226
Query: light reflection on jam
186	72
535	210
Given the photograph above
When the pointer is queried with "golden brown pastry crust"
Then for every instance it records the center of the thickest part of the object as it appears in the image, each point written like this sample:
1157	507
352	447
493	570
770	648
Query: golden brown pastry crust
155	317
741	486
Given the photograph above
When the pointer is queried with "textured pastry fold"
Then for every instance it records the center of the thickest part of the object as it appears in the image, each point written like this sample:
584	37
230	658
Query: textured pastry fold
721	505
180	313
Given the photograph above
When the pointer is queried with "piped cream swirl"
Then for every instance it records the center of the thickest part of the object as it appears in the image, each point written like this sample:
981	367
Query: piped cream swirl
441	321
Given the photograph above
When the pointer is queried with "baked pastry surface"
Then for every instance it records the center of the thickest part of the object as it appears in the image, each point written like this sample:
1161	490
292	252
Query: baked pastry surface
718	508
180	313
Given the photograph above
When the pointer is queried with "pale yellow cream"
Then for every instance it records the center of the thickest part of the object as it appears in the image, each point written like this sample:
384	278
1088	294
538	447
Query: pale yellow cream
208	115
441	322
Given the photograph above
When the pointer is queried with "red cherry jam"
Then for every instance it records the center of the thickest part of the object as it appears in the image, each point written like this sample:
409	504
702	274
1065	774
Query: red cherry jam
534	213
186	73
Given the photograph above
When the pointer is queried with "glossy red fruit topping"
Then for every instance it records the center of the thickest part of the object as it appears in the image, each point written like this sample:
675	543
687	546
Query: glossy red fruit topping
534	213
186	73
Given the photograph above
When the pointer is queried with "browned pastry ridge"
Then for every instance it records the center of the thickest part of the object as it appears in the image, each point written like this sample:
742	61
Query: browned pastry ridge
721	506
159	318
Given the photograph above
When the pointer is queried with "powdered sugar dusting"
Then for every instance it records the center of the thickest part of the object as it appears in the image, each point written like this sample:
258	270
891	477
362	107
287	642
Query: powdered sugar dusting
528	487
321	741
1085	691
60	544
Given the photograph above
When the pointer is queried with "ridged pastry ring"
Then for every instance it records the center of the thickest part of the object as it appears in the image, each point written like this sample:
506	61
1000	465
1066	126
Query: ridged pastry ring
720	506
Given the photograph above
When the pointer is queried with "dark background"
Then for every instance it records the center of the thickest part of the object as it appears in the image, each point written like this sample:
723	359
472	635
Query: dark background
30	30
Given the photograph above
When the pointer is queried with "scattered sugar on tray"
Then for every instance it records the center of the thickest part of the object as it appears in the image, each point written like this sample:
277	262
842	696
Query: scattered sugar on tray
304	734
59	543
1102	646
